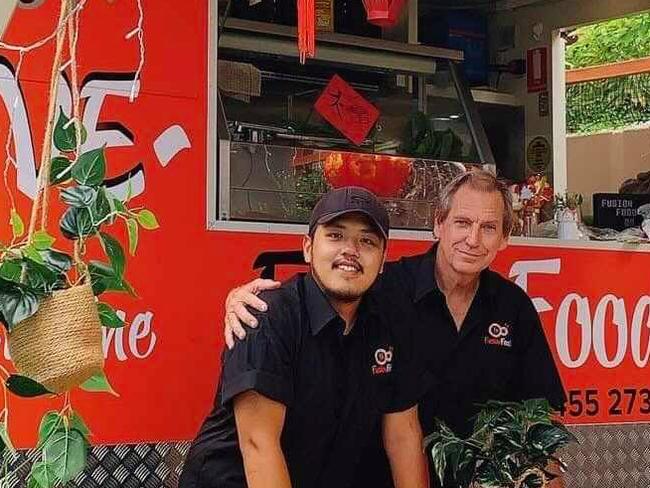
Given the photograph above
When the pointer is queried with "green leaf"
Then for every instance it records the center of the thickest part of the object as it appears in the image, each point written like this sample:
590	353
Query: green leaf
98	383
90	168
65	453
42	240
17	303
11	270
78	423
114	252
6	440
79	196
57	260
65	138
119	206
17	225
42	278
76	223
50	422
147	220
58	166
439	461
109	317
41	476
32	253
25	387
103	279
102	206
132	229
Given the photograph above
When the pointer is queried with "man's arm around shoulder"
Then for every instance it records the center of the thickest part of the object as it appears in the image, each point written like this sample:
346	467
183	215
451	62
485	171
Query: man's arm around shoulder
259	427
403	444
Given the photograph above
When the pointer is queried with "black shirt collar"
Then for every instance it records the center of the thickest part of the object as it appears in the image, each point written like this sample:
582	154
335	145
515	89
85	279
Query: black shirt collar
321	312
319	309
425	278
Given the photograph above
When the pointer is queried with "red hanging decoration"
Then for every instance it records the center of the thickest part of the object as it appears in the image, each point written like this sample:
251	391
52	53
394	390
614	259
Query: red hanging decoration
306	29
385	176
383	13
345	108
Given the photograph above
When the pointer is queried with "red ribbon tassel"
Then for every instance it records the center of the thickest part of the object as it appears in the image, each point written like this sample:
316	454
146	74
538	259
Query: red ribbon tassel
306	29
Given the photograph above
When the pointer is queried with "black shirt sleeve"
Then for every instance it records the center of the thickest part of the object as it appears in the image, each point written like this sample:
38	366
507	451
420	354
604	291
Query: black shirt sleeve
263	361
409	386
538	374
410	378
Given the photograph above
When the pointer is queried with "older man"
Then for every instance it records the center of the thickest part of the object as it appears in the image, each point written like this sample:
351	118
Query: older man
480	333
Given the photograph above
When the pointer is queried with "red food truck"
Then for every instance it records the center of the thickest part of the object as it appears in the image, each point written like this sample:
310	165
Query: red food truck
232	173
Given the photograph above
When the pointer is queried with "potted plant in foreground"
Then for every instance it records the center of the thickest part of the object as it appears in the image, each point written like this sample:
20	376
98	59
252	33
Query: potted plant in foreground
510	447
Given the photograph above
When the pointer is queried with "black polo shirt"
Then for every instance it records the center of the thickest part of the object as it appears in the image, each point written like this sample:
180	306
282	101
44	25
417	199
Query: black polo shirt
335	388
499	353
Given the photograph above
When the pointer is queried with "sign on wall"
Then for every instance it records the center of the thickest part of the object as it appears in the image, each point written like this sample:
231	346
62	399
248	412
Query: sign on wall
537	69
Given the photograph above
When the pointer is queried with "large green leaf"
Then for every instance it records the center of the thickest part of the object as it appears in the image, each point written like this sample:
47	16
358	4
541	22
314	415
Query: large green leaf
102	206
114	252
65	135
11	270
90	168
17	303
98	383
42	476
79	196
43	278
57	169
76	223
548	438
109	317
25	387
57	260
66	452
50	422
104	278
439	461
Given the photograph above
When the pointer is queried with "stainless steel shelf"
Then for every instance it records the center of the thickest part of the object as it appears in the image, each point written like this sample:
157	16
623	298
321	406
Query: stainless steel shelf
279	40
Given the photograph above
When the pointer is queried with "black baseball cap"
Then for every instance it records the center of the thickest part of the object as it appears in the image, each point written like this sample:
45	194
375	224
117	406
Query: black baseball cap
350	199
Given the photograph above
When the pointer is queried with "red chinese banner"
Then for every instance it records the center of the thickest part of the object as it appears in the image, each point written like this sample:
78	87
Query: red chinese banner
345	108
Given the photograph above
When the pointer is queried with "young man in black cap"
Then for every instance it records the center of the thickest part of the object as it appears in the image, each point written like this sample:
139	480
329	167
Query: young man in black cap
300	397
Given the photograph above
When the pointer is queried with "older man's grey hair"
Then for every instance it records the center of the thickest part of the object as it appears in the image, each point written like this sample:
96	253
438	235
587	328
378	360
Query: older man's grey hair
478	180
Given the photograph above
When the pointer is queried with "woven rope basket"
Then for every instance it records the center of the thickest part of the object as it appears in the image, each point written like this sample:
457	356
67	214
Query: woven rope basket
61	345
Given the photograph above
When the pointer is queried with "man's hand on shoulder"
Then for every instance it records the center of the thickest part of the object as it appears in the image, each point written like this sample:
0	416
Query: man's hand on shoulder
236	313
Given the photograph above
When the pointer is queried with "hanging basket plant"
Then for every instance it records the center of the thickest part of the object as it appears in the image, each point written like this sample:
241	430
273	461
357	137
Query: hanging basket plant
50	287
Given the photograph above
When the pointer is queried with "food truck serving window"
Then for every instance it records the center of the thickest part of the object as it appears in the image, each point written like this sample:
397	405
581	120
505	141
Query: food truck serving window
293	131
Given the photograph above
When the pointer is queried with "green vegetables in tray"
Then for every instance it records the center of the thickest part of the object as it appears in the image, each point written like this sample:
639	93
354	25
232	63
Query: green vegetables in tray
421	140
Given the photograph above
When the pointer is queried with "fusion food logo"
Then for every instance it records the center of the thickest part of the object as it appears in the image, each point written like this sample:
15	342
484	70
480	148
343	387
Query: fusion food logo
498	335
383	361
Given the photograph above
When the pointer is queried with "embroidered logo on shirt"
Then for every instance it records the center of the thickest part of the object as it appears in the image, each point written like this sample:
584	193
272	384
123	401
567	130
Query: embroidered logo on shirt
383	361
499	335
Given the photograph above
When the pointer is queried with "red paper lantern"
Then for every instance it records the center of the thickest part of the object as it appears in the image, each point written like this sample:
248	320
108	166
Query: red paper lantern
385	176
383	13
